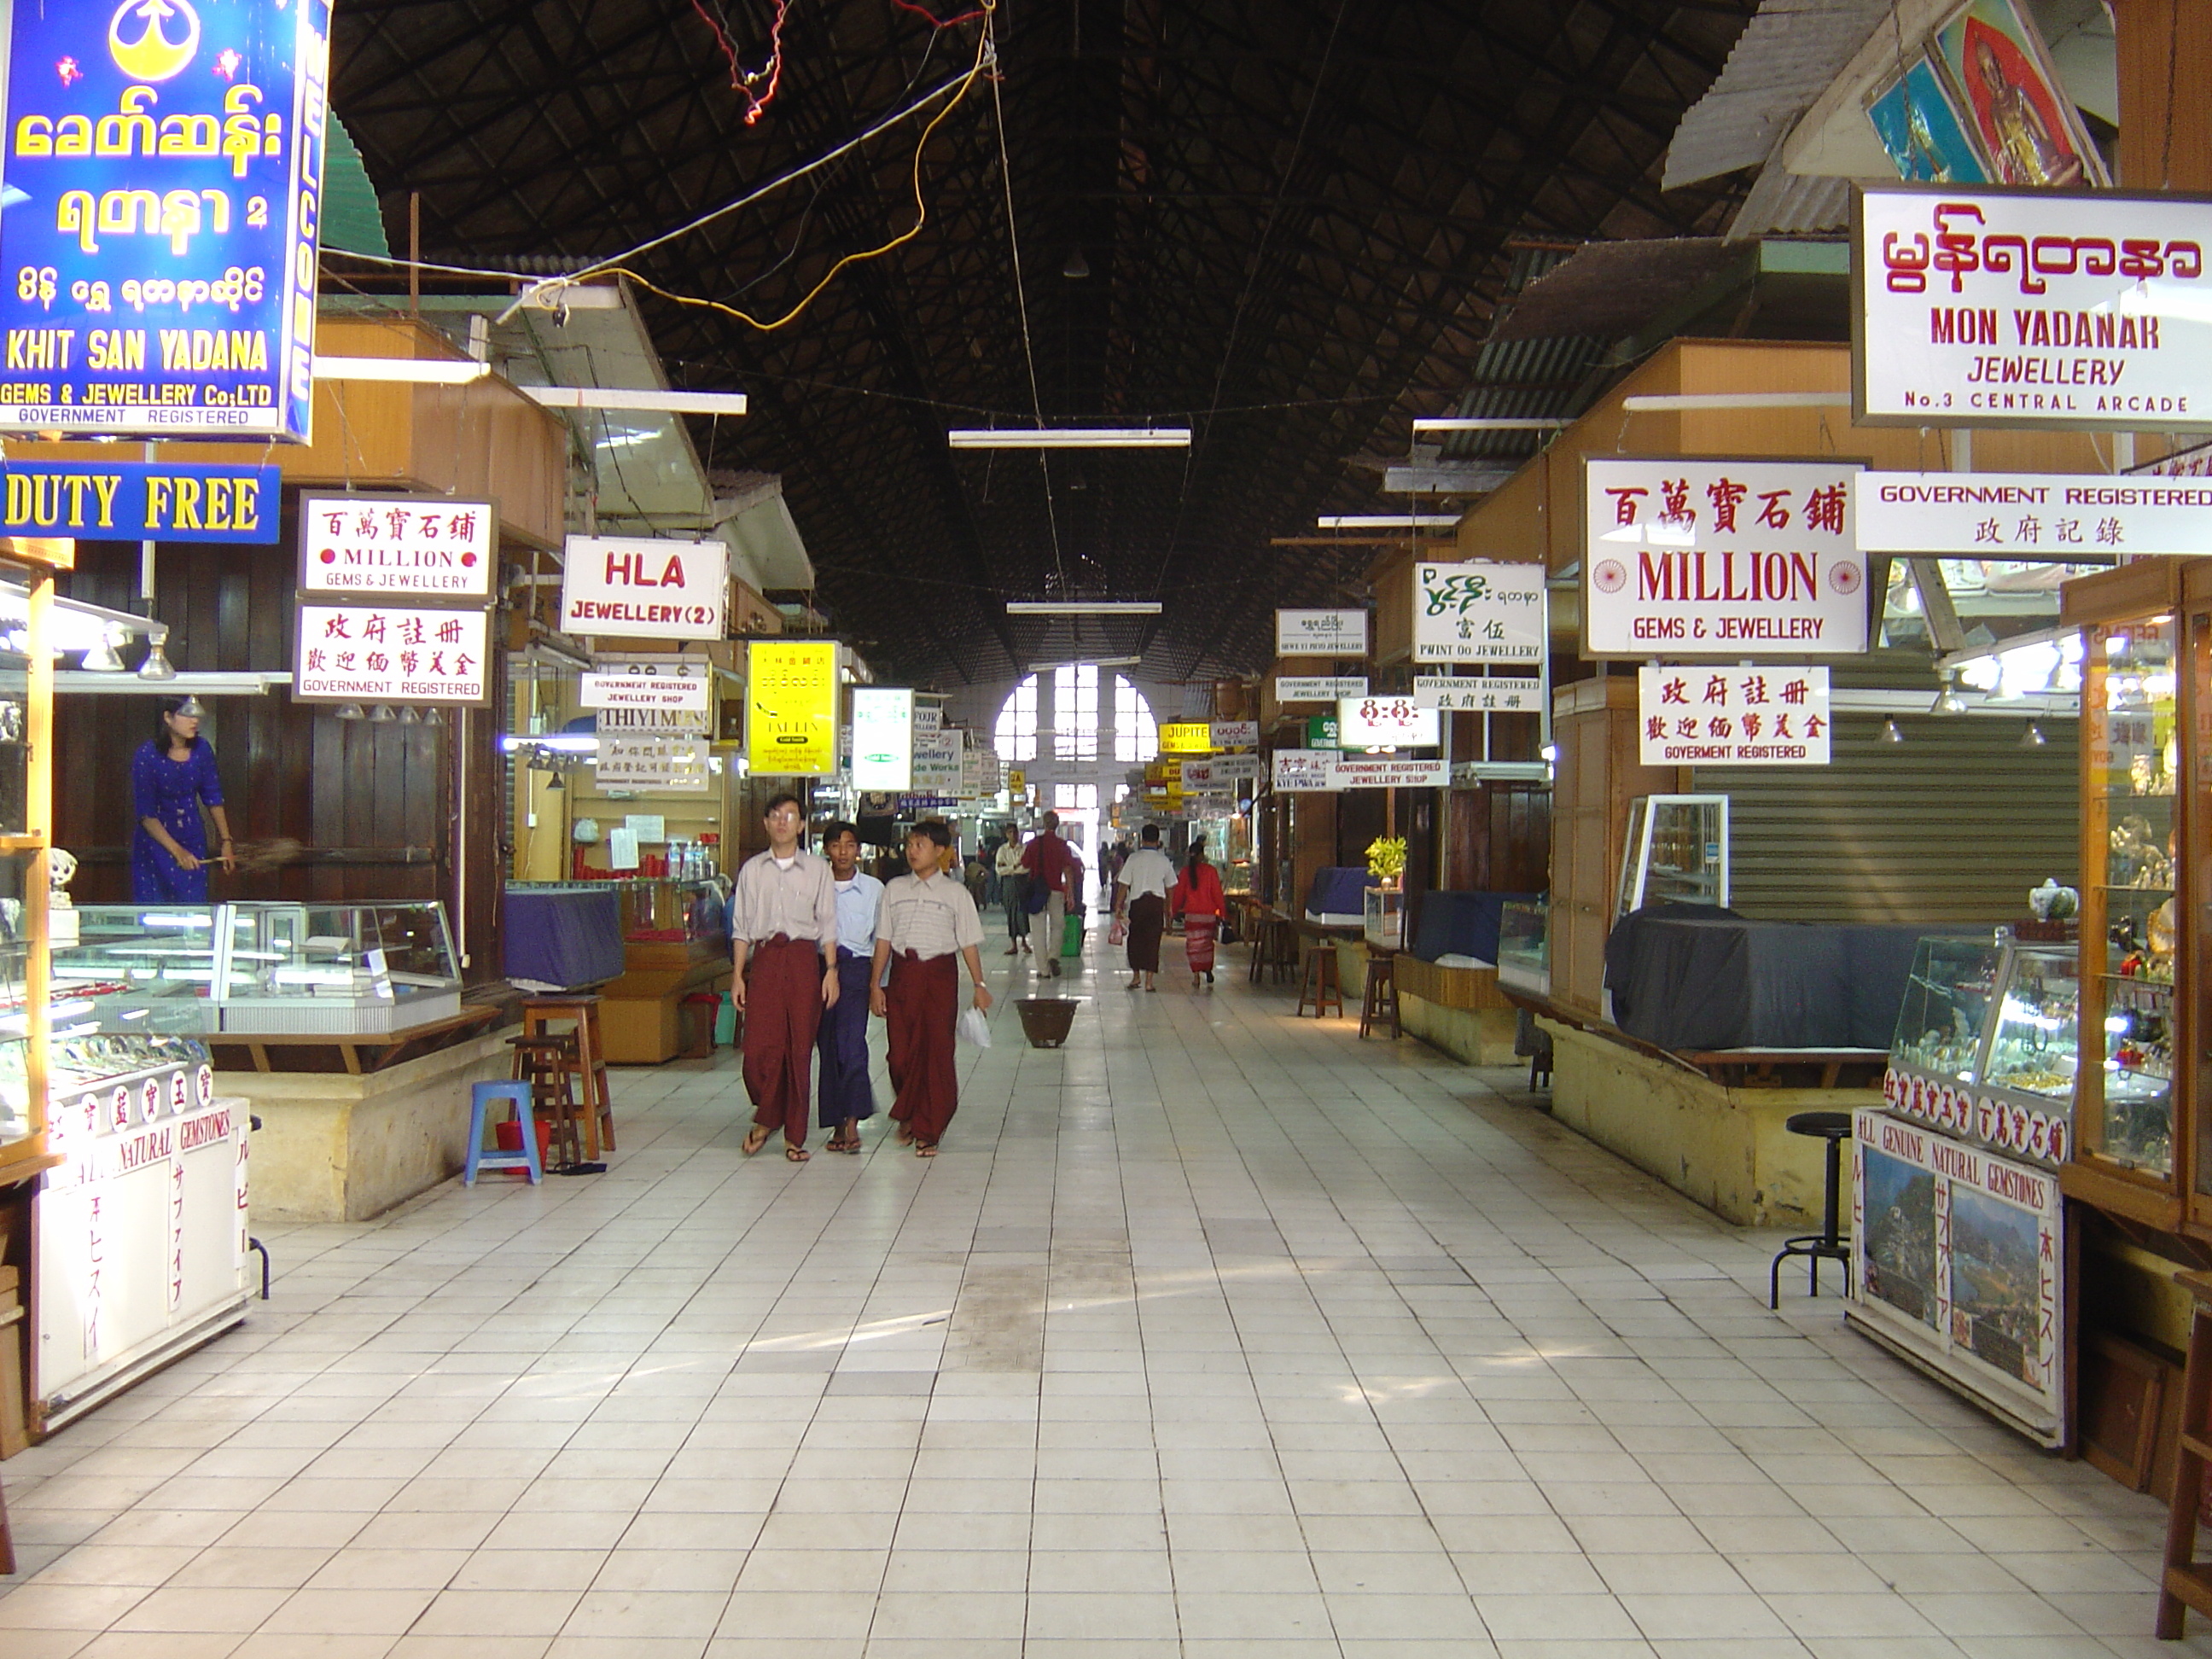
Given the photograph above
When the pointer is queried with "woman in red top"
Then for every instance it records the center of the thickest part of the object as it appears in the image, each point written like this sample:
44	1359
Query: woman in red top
1197	898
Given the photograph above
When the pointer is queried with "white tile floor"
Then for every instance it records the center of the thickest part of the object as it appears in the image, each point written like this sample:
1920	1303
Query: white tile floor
1215	1334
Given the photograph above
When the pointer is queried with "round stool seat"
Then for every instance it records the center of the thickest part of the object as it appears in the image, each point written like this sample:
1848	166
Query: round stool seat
1829	1244
1832	1126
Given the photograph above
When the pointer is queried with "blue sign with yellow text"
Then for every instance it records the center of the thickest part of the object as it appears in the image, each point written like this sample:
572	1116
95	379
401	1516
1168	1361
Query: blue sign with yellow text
163	182
139	502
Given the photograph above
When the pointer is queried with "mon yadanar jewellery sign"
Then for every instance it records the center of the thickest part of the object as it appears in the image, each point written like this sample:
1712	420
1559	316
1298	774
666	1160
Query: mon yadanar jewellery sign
1986	307
1721	558
164	162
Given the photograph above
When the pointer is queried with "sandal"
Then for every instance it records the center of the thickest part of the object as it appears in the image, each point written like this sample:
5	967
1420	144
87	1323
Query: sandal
796	1154
905	1135
925	1149
840	1144
755	1138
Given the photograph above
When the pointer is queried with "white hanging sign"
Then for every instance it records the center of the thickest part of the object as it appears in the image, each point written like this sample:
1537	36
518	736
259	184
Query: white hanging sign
1690	558
1479	613
1236	734
388	654
1387	723
676	766
1390	772
425	548
1236	768
1323	689
1305	769
1733	716
1480	693
669	685
641	585
2031	515
1984	306
937	764
882	739
1320	633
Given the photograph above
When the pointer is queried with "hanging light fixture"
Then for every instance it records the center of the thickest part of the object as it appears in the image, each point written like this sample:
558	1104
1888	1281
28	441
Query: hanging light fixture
156	665
351	711
432	717
192	708
2033	738
555	783
1890	734
382	714
101	658
1077	267
411	715
1947	701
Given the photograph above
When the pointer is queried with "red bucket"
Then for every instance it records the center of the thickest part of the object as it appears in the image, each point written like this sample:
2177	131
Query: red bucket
508	1135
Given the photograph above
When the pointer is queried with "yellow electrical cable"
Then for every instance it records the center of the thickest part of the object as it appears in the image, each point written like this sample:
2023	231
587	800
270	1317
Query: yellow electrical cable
983	53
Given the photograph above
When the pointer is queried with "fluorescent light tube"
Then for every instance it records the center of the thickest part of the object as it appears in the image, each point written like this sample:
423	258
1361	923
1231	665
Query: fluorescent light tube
1070	437
1390	521
415	371
1083	607
1487	423
614	396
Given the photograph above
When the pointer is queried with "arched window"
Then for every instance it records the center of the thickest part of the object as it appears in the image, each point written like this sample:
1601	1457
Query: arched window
1018	723
1075	712
1136	734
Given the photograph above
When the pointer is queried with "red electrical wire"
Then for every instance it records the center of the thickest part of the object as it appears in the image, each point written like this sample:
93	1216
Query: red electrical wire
935	21
741	78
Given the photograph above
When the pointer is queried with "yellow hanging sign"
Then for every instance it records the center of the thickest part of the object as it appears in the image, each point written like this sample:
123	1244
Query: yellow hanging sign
1195	737
791	708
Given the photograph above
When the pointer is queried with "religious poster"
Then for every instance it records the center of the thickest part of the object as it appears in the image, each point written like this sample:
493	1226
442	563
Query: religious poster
1922	129
2026	126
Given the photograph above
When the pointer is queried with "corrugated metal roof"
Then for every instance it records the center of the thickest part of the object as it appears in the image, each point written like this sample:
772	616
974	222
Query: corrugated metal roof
1788	203
1787	56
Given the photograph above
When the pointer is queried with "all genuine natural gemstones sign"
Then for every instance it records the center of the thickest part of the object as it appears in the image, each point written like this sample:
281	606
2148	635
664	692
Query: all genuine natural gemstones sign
138	501
157	270
2031	307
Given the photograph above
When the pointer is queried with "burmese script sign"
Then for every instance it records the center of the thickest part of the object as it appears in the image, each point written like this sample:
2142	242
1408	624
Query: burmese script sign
1479	613
2027	515
1733	716
1721	558
423	547
1320	633
2034	308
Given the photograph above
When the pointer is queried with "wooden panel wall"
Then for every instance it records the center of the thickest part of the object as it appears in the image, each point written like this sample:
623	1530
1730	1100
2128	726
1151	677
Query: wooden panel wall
2162	45
1499	839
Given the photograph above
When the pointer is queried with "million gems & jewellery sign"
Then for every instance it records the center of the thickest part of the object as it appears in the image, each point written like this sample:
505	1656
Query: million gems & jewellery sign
1721	558
2033	307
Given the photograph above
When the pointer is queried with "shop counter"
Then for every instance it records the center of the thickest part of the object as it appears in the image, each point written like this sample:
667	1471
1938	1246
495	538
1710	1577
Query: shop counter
640	1013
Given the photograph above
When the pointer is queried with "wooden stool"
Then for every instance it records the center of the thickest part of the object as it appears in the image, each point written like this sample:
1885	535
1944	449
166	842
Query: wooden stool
2187	1582
1379	997
1318	982
540	1015
546	1064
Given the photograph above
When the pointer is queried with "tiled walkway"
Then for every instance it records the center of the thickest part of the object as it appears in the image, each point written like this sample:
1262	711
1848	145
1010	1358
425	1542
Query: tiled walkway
1215	1334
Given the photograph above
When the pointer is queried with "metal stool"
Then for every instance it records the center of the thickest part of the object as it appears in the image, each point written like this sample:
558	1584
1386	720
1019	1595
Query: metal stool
581	1014
481	1094
1378	997
1317	981
1835	1128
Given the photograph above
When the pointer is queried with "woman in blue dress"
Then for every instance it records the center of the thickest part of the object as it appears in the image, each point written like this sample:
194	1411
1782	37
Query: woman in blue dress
172	776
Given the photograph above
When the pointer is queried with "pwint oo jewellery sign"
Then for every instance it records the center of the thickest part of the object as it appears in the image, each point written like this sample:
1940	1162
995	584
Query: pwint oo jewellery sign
1721	558
2035	308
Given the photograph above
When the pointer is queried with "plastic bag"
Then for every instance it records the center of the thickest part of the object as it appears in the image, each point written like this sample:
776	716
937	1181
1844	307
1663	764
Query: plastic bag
1118	933
976	1028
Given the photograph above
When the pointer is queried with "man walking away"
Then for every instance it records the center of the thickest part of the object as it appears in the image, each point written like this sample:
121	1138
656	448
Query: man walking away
844	1097
1141	901
1047	862
928	925
1014	892
783	917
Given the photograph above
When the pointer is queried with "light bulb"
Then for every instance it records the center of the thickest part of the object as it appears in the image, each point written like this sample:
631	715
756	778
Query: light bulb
156	665
382	714
351	711
101	658
1890	732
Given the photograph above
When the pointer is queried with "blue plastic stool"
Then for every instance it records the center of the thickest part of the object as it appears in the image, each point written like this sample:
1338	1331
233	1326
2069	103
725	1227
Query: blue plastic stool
480	1096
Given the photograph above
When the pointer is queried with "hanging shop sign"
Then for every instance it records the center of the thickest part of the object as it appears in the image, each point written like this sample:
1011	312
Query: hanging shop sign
425	548
1733	716
1320	633
389	653
661	590
2031	307
1017	782
630	684
159	259
1299	770
1321	730
1324	689
1479	613
138	501
663	764
791	707
1387	723
972	773
1390	772
882	739
1957	1260
1479	693
1198	778
937	764
1236	734
1234	769
2194	462
1188	737
2026	515
662	722
1692	558
928	716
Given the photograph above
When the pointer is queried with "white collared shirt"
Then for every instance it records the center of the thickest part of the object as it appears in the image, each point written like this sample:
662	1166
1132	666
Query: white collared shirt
857	900
798	900
931	918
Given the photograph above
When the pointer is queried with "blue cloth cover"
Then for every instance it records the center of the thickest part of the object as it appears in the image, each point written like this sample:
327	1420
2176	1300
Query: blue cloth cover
567	936
1462	924
1340	890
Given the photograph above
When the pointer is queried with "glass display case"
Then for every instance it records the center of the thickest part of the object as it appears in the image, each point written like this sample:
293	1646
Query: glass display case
25	813
1524	951
1988	1043
1229	849
663	910
263	968
1676	852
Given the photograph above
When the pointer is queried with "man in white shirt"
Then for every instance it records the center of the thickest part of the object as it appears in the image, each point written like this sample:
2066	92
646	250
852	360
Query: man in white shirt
843	1095
1014	892
1141	899
927	926
783	916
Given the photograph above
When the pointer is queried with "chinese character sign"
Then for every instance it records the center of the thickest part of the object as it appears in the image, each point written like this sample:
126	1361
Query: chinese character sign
882	739
791	723
1479	613
1483	694
423	547
2026	515
1299	770
1735	716
665	765
642	585
1721	558
2036	307
937	764
388	654
157	273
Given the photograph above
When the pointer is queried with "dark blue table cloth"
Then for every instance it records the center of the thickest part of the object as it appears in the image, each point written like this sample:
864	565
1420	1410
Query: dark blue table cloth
564	936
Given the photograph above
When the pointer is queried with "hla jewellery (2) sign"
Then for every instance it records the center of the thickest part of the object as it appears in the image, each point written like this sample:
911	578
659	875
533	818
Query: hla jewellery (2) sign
1320	633
425	548
138	501
1721	558
628	585
160	272
1984	306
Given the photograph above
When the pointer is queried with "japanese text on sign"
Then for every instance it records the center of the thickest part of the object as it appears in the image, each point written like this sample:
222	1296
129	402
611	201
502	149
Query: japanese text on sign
1721	558
664	590
160	270
424	547
1995	515
1479	613
1733	716
381	653
2036	307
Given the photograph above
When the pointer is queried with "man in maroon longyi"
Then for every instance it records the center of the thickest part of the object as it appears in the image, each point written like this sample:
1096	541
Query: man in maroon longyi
783	933
927	926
